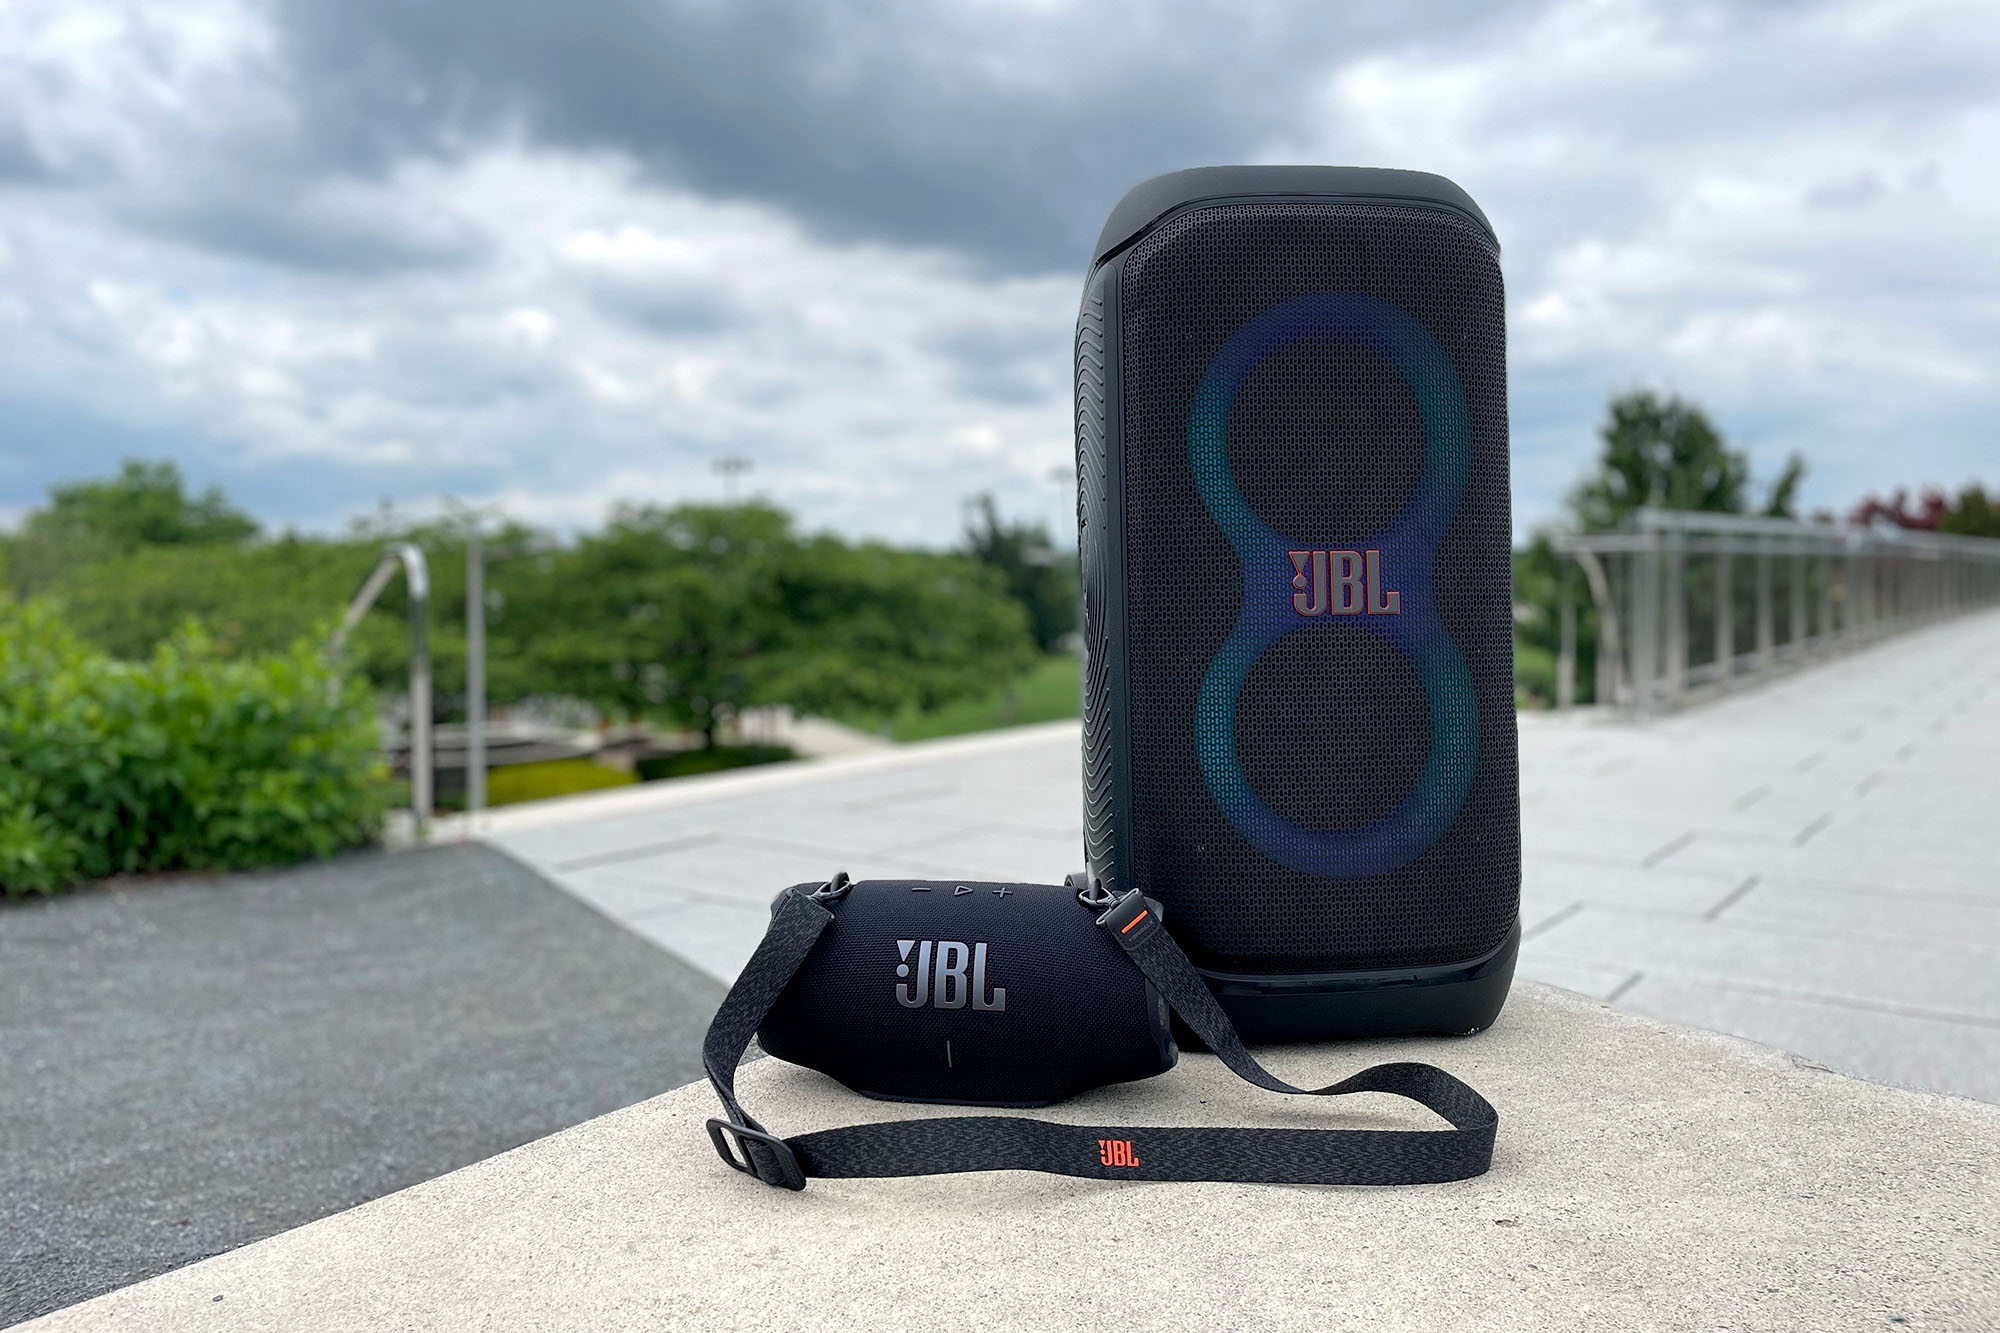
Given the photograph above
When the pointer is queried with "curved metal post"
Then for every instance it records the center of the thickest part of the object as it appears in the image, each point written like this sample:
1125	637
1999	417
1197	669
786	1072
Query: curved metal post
1609	684
417	580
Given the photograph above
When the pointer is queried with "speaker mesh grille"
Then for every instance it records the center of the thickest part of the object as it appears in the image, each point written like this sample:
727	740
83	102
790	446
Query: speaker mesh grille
1327	701
1325	444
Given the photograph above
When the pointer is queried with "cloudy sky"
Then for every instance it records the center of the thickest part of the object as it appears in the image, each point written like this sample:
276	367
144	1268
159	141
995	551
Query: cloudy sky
549	256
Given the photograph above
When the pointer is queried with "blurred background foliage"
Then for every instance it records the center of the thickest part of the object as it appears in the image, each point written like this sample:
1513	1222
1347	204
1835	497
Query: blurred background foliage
170	621
168	702
681	616
185	759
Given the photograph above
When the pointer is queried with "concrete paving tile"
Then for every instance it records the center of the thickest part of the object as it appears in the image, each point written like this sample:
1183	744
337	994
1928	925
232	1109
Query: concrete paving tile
998	854
592	838
936	840
1915	878
1851	968
802	805
1037	800
1916	864
1584	978
1961	925
1912	1050
728	868
718	938
1548	886
616	896
1692	854
1597	837
818	821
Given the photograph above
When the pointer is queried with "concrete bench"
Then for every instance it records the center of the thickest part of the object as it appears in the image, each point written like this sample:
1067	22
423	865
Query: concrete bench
1647	1176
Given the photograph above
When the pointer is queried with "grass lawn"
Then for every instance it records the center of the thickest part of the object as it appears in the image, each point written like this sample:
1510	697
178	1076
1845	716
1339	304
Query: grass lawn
1047	692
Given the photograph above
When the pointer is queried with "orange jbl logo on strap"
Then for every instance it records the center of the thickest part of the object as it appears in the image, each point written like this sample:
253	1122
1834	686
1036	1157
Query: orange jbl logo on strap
1116	1152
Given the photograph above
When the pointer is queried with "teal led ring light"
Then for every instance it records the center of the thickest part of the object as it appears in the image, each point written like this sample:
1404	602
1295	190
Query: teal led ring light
1408	544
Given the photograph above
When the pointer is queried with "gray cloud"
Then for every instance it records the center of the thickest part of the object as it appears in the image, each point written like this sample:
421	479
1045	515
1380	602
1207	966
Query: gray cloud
300	227
1004	364
1002	134
558	255
19	162
669	310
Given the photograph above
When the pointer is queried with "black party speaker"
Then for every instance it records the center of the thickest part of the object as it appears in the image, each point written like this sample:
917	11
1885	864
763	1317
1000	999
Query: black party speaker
1291	431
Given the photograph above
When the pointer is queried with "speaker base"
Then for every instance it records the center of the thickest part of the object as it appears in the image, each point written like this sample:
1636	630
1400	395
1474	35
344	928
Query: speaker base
1455	999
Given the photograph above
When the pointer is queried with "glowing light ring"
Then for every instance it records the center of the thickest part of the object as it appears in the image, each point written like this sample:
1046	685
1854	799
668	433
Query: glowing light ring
1409	547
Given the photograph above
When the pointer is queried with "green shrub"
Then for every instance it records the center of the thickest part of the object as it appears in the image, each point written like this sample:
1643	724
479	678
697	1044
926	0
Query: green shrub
181	761
551	777
711	759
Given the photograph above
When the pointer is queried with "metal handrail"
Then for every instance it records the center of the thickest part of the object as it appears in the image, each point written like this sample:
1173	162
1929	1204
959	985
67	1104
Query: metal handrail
1870	581
417	580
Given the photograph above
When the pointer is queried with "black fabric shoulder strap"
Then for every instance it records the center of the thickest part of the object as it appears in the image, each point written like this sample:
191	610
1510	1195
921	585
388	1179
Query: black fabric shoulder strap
1002	1143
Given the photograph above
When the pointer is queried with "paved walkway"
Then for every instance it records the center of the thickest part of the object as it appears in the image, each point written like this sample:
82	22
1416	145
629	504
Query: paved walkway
1813	863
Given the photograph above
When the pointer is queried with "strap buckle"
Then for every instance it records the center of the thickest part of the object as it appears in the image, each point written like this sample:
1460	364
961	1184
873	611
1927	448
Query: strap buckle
765	1156
1125	913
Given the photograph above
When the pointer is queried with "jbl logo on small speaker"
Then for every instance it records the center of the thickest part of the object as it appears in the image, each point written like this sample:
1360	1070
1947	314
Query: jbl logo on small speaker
958	979
1342	583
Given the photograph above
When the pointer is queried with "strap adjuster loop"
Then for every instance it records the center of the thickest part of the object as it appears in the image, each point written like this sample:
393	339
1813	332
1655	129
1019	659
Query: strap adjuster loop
765	1156
1126	913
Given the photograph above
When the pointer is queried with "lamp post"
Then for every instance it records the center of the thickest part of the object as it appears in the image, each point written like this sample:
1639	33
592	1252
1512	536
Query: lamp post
475	671
732	467
476	557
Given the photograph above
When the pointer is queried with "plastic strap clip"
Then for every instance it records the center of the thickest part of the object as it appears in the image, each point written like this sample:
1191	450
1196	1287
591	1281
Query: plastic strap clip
765	1156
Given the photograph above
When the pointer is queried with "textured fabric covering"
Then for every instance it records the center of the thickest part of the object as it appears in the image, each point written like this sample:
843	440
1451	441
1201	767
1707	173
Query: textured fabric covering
1329	376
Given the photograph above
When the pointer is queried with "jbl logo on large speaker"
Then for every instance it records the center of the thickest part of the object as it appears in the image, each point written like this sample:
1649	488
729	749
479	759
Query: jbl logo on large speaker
958	979
1342	583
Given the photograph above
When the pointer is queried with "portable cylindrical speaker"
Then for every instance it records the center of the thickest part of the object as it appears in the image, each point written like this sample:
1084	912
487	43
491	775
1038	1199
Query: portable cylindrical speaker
975	994
1291	421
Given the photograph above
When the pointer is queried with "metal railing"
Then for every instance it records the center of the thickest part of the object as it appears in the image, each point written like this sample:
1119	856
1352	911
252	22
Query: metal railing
417	579
1688	604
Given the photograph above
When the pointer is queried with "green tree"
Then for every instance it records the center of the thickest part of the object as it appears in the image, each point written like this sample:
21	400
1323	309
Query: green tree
146	504
667	613
1038	576
1661	452
259	597
1664	453
1784	496
875	629
1972	513
694	613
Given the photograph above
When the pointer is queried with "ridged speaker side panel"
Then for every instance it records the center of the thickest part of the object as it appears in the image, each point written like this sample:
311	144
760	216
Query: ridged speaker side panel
1101	569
